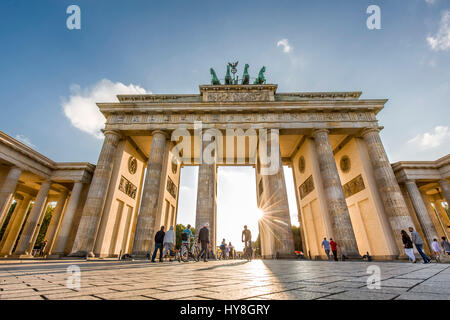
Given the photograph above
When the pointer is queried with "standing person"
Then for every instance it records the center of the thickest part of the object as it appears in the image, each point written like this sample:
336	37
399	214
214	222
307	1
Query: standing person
203	239
408	246
223	248
169	242
326	247
445	246
186	236
246	237
159	240
43	246
436	250
333	246
231	249
418	242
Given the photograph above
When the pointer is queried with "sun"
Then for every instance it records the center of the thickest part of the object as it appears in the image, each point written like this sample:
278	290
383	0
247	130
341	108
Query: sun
258	213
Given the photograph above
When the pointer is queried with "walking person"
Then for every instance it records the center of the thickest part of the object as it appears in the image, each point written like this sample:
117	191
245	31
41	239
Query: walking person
409	250
436	250
445	246
159	241
186	236
203	239
169	242
334	246
326	247
231	251
418	242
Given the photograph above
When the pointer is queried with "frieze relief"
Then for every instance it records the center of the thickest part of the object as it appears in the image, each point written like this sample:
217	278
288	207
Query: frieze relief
242	117
306	187
354	186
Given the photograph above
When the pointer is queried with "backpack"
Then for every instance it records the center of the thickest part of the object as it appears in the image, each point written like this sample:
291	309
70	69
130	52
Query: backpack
184	236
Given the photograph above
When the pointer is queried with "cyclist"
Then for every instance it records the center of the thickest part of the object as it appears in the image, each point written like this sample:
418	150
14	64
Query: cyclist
186	236
246	237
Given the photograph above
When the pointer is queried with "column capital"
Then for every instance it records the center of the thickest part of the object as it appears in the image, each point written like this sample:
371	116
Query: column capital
366	131
164	133
318	131
113	132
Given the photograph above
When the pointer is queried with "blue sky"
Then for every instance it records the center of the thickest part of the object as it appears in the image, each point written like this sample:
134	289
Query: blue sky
50	73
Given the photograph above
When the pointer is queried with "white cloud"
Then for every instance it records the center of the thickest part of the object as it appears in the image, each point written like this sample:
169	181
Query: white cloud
285	44
81	108
430	2
25	140
441	40
429	140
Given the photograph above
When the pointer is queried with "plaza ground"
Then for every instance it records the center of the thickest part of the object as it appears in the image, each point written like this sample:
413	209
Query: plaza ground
232	279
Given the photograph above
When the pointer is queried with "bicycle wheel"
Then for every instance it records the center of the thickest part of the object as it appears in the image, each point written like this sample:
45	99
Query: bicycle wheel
196	253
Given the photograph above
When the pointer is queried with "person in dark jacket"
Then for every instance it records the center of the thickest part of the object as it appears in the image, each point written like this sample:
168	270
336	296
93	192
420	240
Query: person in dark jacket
407	242
203	239
159	239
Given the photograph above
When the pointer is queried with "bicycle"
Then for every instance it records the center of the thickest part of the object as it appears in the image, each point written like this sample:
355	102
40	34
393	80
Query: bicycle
248	253
192	252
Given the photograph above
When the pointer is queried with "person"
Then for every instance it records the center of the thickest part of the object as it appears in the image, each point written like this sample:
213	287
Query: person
436	250
169	242
326	247
223	250
186	236
159	240
246	237
203	239
333	246
445	245
408	246
43	246
231	251
418	242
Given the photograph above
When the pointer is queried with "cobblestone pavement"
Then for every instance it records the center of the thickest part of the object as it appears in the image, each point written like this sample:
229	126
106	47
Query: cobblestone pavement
235	279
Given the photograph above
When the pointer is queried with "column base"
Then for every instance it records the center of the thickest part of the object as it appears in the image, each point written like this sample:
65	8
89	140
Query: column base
54	256
82	254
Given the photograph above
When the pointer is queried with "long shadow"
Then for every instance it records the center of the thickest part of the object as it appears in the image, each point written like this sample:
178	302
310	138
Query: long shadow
223	266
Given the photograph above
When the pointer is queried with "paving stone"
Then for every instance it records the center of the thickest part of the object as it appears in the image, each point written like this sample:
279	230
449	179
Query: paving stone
362	295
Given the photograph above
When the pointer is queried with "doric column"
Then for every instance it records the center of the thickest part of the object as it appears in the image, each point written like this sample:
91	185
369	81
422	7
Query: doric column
93	208
445	186
434	216
388	188
32	225
7	190
276	220
421	211
66	224
334	194
442	214
143	237
55	221
13	234
18	200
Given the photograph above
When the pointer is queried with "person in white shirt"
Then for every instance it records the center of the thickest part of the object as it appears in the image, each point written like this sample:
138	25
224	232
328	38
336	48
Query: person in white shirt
436	250
169	241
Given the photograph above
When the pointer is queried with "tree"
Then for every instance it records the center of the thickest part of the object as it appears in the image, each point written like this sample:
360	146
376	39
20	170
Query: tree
8	218
44	226
297	238
178	230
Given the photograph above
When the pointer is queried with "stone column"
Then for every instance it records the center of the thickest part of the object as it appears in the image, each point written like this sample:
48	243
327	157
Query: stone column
16	225
421	211
143	237
207	191
445	186
93	208
388	188
7	190
32	225
443	214
18	200
66	224
434	216
334	194
276	220
55	221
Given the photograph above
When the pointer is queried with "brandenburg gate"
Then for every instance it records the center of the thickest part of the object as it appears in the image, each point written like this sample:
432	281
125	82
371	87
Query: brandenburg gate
346	188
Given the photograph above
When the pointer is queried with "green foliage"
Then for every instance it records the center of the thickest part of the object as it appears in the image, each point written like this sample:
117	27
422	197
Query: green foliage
178	230
44	226
8	217
297	238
